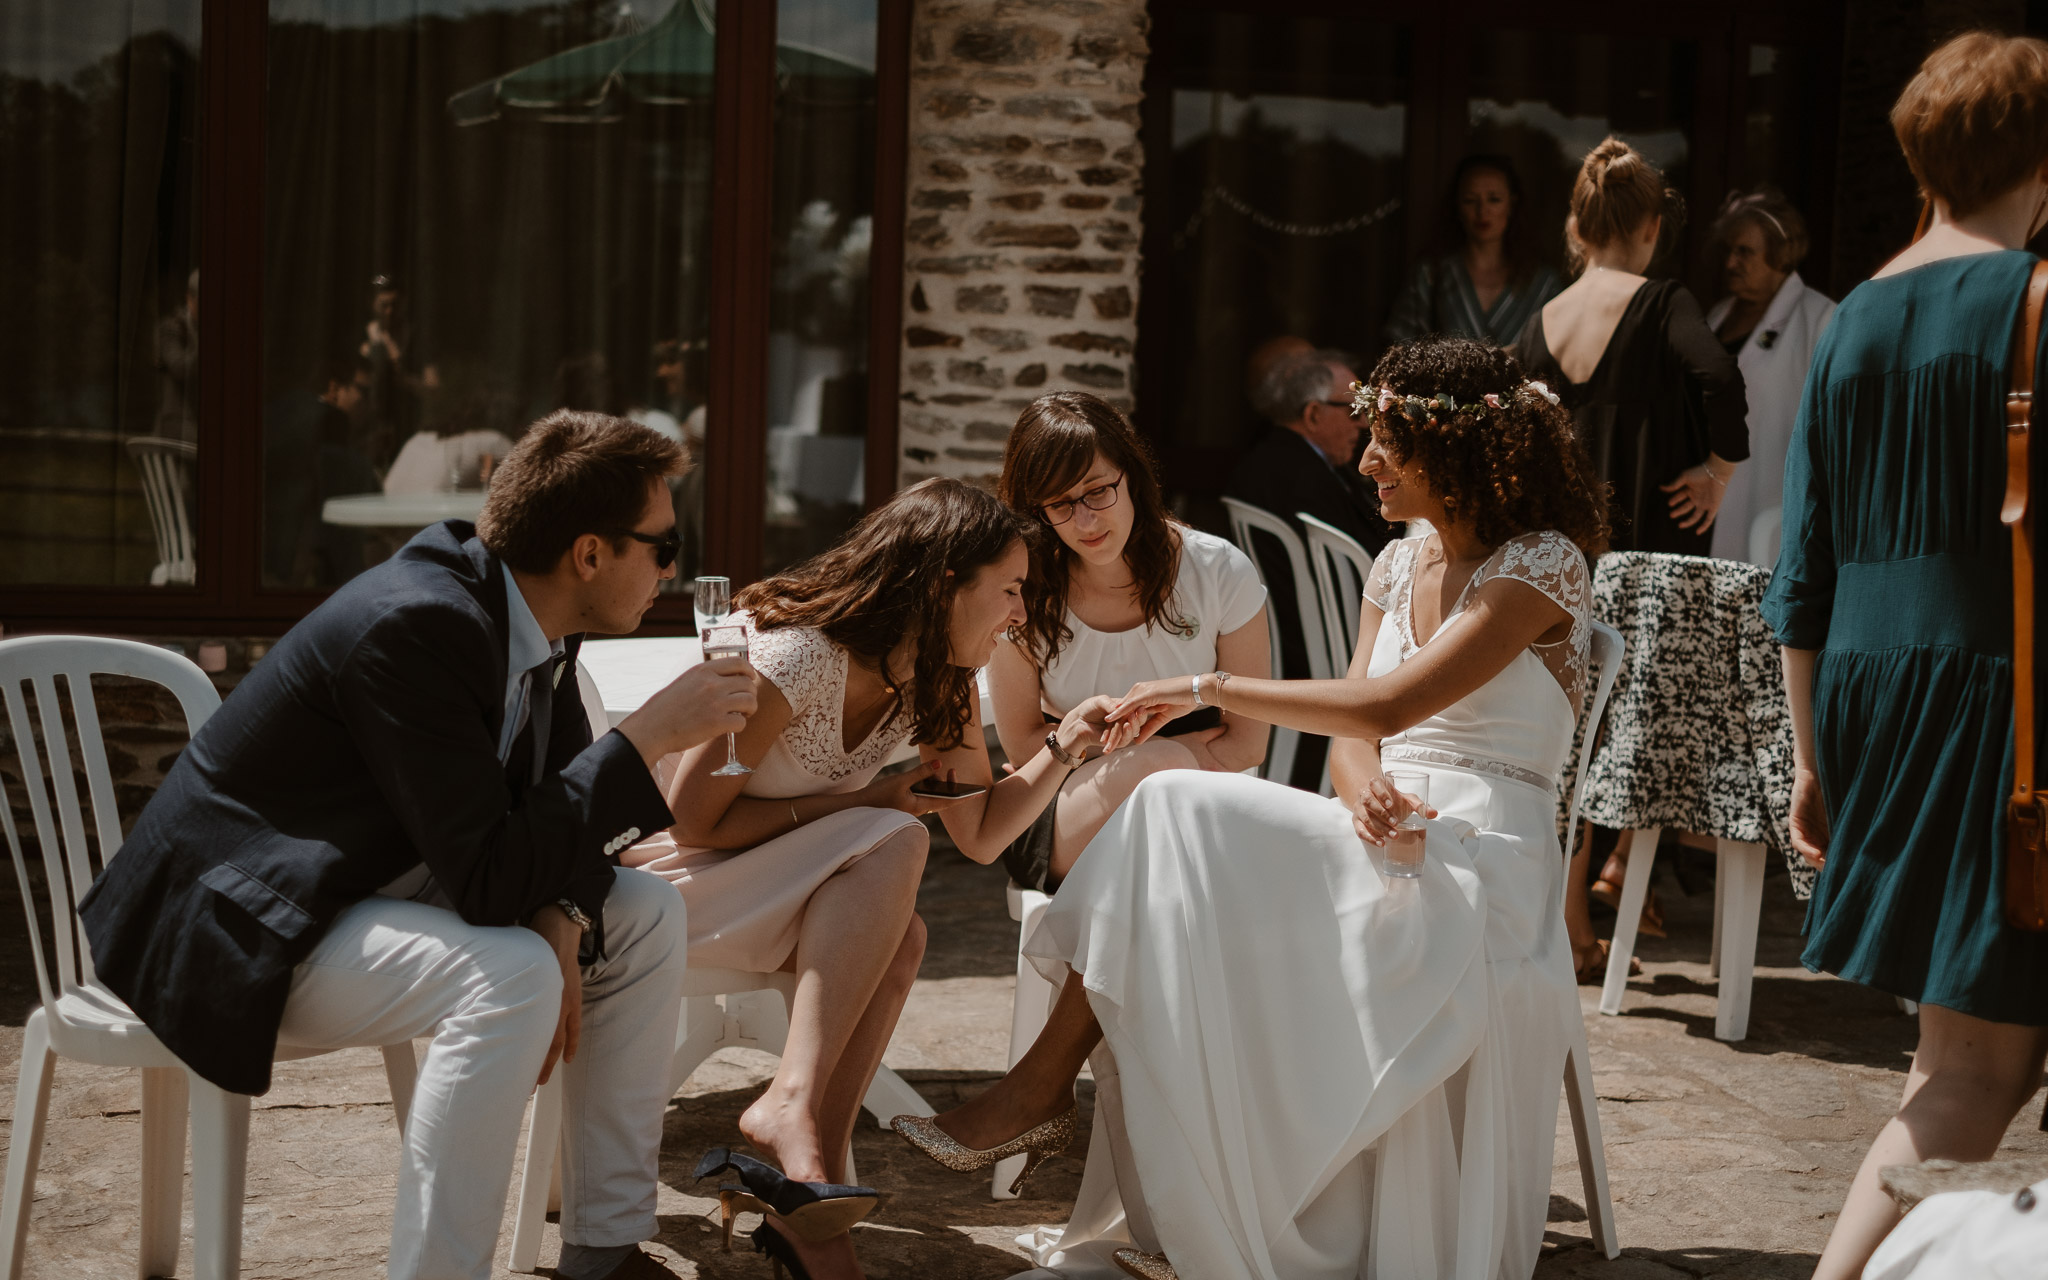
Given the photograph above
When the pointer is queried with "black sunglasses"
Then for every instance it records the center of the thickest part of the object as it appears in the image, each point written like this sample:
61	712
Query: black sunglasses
667	546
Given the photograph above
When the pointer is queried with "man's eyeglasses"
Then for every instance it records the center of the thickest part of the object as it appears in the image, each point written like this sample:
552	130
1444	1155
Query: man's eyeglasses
666	546
1101	498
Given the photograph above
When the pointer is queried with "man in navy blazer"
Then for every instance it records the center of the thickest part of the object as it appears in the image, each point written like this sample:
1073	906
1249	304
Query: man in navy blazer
399	826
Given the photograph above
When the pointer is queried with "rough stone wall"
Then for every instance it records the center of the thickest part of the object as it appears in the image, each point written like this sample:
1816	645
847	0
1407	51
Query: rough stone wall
1021	238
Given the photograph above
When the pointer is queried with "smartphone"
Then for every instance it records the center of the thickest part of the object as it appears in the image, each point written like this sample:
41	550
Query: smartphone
938	789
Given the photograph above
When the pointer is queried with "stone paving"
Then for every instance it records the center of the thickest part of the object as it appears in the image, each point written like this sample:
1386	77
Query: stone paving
1725	1159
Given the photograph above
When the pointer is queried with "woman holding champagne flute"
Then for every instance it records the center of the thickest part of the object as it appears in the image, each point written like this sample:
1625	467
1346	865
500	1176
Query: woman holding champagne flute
803	859
1320	1067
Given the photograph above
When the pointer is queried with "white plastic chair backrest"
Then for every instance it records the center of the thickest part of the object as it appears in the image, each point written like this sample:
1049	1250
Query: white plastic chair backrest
593	703
1341	567
1246	521
166	467
37	662
1607	649
1764	532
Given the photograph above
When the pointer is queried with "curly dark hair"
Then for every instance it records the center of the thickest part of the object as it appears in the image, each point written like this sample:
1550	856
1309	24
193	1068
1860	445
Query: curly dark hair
893	576
1512	470
1051	448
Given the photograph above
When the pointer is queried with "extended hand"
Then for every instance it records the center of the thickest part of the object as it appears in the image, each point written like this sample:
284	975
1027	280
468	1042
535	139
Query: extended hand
552	923
1149	705
1696	497
1379	809
709	699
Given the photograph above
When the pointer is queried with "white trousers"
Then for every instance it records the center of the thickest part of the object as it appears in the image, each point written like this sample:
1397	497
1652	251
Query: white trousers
389	970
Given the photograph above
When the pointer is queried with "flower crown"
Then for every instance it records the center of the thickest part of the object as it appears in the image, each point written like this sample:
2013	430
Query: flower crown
1379	401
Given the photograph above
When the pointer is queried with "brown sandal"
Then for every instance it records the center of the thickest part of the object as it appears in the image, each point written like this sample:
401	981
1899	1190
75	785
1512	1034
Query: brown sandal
1650	923
1589	963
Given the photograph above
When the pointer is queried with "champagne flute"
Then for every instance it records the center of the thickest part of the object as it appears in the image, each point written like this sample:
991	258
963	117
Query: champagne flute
711	601
726	640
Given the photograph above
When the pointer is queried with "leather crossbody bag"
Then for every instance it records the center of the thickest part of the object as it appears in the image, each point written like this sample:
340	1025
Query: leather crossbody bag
2026	810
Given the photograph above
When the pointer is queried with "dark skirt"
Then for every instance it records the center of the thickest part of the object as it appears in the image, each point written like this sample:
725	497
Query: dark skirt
1028	858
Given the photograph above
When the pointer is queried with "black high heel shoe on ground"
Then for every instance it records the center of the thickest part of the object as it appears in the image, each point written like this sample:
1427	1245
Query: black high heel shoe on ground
815	1211
783	1254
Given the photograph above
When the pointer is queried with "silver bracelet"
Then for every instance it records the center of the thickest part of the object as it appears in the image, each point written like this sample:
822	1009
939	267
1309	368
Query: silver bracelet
1195	683
794	821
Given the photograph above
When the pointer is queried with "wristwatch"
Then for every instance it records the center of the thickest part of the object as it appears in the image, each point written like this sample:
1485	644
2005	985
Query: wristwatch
1060	753
577	916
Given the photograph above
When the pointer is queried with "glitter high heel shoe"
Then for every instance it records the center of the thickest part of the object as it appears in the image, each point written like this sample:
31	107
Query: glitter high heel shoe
1036	1144
1145	1266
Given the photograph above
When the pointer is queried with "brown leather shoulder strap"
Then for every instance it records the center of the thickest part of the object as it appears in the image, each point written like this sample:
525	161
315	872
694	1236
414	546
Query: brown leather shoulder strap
2019	421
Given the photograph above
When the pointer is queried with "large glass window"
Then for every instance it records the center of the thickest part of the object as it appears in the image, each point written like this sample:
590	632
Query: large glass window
823	225
1289	174
99	354
475	214
1546	98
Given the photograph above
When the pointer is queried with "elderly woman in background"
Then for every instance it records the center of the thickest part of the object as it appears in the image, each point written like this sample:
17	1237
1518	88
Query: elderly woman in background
1769	322
1489	285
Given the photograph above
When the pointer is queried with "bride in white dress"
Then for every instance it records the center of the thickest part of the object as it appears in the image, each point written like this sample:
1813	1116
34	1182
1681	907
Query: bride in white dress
1307	1068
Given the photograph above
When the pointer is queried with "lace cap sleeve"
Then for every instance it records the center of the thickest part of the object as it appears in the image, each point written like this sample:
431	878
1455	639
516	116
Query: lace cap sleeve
1385	576
1549	562
798	661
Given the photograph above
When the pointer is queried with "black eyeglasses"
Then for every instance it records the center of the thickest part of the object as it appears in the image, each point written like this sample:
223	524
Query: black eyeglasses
666	546
1101	498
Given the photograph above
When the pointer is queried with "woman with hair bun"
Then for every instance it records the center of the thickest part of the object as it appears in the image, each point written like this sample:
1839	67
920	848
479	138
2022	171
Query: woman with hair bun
1296	1031
1657	398
1892	599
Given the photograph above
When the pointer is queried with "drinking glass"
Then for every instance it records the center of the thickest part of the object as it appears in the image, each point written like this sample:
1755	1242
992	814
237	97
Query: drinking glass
711	602
1404	847
726	640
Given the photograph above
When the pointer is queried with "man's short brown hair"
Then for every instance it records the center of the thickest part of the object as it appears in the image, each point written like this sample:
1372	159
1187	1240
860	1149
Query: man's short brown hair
572	473
1974	122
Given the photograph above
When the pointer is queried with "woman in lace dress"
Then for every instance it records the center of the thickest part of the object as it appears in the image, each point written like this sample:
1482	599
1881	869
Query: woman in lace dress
811	863
1313	1070
1119	592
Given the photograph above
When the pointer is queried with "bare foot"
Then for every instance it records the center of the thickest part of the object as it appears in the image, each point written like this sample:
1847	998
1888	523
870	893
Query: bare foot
998	1114
831	1259
788	1134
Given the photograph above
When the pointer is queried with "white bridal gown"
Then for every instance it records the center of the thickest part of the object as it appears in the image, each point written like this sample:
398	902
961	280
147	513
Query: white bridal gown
1311	1070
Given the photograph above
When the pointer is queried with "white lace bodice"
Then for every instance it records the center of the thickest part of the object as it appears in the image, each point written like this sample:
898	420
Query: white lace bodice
810	757
1522	718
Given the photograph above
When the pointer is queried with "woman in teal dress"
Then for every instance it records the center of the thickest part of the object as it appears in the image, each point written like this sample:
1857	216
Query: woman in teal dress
1892	598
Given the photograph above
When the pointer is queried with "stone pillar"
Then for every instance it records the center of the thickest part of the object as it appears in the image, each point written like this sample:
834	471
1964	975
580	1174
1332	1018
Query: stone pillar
1021	237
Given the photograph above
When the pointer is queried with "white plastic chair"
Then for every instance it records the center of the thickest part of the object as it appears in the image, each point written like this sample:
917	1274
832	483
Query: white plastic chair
721	1008
1341	568
166	467
1246	523
1034	998
1607	649
1738	906
80	1019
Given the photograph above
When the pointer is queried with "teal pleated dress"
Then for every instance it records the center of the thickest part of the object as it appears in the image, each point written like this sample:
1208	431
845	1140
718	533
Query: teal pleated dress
1895	567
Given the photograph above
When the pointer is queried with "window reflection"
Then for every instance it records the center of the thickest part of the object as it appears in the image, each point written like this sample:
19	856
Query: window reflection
1546	98
99	107
823	208
476	213
1287	209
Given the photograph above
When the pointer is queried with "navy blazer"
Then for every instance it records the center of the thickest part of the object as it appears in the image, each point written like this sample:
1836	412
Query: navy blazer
364	744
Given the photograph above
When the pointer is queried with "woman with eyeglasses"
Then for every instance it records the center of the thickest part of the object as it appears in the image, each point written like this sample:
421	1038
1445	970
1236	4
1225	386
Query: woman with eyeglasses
1120	592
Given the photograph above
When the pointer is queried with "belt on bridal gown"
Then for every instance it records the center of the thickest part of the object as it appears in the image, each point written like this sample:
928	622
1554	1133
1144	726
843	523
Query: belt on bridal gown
1478	764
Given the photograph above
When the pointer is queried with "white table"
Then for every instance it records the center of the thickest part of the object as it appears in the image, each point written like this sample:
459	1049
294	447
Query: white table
401	510
629	672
